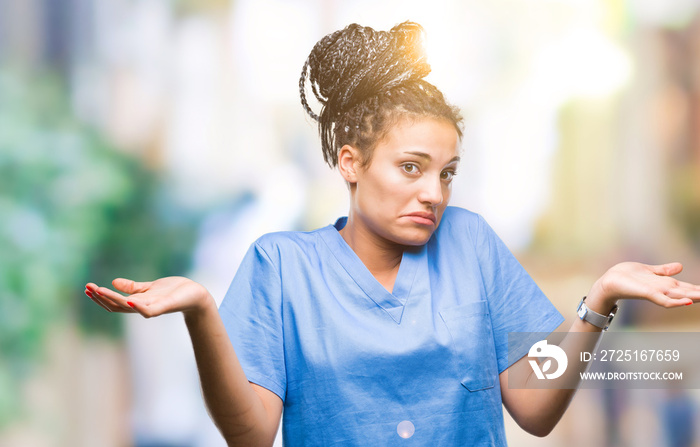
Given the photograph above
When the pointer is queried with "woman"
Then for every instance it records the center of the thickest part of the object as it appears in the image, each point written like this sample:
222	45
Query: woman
393	323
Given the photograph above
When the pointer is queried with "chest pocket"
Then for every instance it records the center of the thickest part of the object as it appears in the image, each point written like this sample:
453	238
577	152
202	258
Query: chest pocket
472	344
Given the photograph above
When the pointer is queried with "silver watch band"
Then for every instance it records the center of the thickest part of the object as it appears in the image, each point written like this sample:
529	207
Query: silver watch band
593	317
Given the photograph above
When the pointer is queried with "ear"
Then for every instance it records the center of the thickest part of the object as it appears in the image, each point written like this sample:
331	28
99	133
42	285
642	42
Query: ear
349	163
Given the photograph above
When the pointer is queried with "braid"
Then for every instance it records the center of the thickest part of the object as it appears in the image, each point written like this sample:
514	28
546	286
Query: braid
365	80
302	90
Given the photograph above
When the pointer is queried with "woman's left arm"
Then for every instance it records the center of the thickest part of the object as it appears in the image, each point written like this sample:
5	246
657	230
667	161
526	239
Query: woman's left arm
537	411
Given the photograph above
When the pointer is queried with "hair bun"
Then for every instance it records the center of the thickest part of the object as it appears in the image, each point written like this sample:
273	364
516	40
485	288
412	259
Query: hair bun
350	65
409	37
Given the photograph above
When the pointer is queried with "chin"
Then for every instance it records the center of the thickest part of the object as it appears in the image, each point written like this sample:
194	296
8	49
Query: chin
415	238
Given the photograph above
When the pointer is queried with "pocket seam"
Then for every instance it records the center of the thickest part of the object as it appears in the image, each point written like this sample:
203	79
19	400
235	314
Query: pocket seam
464	359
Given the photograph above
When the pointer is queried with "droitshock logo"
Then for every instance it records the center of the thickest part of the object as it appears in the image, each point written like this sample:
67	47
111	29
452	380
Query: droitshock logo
542	349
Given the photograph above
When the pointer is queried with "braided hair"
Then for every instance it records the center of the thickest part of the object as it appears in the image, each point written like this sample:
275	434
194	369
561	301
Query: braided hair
366	81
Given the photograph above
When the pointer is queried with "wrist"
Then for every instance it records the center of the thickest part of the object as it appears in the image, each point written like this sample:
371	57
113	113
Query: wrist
598	320
206	305
599	300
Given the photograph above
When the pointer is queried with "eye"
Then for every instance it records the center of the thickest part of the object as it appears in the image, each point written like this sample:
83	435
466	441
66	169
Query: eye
447	175
410	168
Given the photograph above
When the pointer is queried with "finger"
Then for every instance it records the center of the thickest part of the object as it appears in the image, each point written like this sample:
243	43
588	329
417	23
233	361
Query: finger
154	309
131	287
670	269
680	292
139	307
104	292
92	290
112	298
109	306
133	304
109	293
112	303
677	289
688	286
668	302
98	302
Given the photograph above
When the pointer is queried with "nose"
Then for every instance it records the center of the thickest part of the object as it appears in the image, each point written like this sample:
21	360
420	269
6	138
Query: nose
431	191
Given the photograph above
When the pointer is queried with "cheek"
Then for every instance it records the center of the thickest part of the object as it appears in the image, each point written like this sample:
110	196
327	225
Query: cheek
446	192
388	188
446	195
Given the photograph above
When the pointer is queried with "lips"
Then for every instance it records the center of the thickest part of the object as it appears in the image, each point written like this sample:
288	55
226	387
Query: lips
423	217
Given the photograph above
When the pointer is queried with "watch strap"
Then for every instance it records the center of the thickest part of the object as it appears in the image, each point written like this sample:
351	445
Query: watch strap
593	317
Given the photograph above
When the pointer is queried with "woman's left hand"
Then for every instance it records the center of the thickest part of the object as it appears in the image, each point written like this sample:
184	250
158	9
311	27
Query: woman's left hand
633	280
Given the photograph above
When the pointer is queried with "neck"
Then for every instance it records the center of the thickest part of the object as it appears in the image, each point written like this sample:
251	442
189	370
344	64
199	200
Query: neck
381	257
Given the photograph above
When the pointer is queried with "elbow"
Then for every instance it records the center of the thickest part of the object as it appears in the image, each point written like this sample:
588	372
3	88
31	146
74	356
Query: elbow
541	431
536	421
241	435
249	437
540	428
248	441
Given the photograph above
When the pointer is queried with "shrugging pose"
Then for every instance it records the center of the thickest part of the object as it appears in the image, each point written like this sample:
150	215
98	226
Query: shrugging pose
392	322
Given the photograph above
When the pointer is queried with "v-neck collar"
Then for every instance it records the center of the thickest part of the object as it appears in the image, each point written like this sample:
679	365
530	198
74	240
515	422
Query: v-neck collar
392	303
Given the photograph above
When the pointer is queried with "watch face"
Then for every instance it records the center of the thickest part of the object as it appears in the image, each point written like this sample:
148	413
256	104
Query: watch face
582	310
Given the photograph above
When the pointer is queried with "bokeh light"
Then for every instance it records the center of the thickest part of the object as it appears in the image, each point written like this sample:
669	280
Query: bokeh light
405	429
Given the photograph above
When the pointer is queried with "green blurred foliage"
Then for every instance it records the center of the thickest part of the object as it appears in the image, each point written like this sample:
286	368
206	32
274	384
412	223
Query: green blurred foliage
72	210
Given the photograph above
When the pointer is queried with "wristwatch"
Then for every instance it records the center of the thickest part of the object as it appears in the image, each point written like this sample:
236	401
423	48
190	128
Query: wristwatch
596	319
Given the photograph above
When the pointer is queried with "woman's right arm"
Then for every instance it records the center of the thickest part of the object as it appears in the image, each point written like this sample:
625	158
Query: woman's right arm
245	413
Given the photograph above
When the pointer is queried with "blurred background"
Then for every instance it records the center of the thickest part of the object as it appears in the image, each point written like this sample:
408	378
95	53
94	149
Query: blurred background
144	138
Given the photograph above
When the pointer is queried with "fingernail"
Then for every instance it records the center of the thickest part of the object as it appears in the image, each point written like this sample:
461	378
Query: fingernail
688	304
87	292
131	304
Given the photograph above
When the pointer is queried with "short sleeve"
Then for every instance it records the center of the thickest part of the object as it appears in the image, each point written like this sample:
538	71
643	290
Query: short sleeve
252	314
516	303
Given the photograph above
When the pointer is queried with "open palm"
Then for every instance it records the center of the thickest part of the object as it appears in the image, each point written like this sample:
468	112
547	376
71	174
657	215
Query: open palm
150	299
651	282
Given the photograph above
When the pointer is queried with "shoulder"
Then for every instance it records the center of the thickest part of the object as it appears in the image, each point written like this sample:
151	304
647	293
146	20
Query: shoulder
283	243
455	214
459	222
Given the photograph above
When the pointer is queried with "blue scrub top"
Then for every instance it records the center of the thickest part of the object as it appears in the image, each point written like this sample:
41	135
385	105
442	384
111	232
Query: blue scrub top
357	365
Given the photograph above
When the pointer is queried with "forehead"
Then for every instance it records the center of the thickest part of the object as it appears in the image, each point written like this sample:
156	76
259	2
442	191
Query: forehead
435	137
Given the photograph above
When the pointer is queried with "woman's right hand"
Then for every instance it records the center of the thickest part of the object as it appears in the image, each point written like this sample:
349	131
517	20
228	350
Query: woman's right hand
150	299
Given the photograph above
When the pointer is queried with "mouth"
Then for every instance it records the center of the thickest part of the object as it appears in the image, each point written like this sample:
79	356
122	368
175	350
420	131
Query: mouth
423	217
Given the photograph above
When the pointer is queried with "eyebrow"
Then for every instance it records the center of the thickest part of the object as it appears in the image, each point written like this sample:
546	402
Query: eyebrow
429	158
